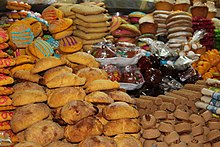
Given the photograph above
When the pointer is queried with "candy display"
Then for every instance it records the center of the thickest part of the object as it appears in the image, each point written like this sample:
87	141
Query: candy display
84	74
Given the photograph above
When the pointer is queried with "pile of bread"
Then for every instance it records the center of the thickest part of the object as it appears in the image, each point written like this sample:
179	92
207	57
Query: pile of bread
185	125
68	107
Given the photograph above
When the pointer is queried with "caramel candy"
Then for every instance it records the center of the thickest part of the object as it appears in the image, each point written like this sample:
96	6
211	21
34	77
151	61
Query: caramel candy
181	114
172	137
151	133
183	127
160	114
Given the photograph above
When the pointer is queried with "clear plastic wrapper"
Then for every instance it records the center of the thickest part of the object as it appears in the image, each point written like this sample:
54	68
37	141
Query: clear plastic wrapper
188	74
198	35
169	83
182	63
113	71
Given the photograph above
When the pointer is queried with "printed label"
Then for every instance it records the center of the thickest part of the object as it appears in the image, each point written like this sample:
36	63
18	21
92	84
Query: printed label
216	96
211	108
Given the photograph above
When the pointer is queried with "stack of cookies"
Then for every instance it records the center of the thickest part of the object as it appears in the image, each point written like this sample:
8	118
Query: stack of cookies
207	25
179	26
91	23
67	11
6	108
160	17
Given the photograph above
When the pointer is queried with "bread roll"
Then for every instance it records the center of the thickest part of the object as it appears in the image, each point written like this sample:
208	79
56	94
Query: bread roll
126	140
99	97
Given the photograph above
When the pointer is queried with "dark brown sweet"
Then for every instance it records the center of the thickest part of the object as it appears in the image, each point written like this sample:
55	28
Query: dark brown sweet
153	76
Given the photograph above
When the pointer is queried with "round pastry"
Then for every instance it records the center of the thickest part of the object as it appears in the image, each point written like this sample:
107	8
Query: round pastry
177	23
63	34
60	25
130	27
3	36
98	141
177	34
51	13
182	5
116	22
119	110
27	115
148	121
166	5
180	29
135	16
40	48
70	44
44	132
82	129
77	110
178	16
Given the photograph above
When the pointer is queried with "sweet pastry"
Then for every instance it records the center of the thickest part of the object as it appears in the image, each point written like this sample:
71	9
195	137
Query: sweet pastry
82	129
63	34
24	59
98	141
20	34
36	26
199	9
119	110
70	44
27	76
61	96
93	18
121	126
6	62
60	144
5	101
101	84
5	71
116	22
27	115
127	140
3	36
27	86
93	30
130	27
91	42
147	25
88	36
6	90
66	9
135	16
182	5
47	63
83	58
166	5
14	5
25	97
88	9
91	74
3	46
91	25
27	67
51	14
5	80
98	97
76	110
60	25
44	132
27	143
65	80
40	48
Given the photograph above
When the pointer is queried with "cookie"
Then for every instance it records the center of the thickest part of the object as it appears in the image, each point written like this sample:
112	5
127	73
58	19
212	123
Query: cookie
6	90
93	18
14	5
116	22
93	30
6	62
178	17
21	67
91	25
3	36
186	23
40	48
180	29
60	25
27	76
70	44
3	54
130	28
21	34
88	42
3	46
89	36
5	71
88	9
64	33
66	9
24	59
51	14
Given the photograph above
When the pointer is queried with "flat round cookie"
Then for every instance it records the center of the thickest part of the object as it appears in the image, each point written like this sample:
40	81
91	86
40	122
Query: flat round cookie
177	34
179	22
180	29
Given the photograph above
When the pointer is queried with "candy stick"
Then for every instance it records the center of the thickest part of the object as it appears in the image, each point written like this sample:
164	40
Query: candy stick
183	100
212	94
211	108
194	87
211	101
169	99
157	101
213	82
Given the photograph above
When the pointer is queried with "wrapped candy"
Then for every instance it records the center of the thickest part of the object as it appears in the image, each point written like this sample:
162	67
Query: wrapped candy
182	63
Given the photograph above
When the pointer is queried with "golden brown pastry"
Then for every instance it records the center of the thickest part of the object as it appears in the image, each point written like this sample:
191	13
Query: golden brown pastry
24	59
6	90
27	76
121	96
65	80
27	115
51	73
27	144
5	80
119	110
61	144
27	86
98	97
126	140
101	85
121	126
60	96
21	67
98	141
91	74
77	110
44	132
25	97
46	63
82	129
84	59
